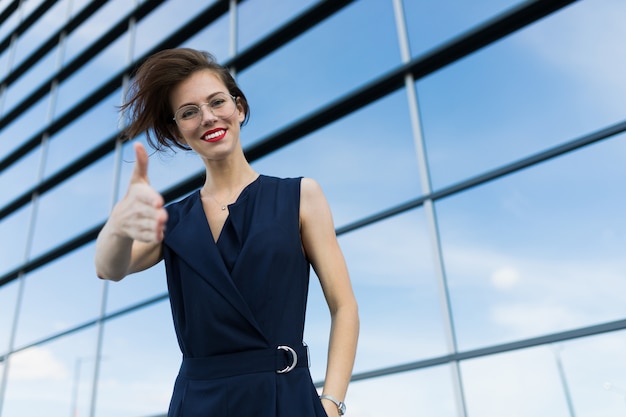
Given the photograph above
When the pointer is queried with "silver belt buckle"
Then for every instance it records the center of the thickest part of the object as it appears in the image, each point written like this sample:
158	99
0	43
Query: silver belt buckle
294	360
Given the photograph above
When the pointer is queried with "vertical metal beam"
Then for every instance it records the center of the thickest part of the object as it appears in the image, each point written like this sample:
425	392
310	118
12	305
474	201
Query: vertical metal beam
21	279
117	168
563	378
429	208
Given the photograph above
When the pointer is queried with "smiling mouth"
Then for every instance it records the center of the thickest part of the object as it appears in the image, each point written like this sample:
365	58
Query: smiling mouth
214	135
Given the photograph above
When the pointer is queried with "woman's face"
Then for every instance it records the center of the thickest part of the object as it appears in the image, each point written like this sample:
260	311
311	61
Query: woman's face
210	128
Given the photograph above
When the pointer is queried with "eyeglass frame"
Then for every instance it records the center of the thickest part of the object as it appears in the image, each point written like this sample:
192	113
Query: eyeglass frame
199	106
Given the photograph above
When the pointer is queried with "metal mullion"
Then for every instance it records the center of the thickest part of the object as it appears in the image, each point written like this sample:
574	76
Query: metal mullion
51	42
20	278
429	209
32	225
64	73
26	23
357	99
194	181
117	168
9	10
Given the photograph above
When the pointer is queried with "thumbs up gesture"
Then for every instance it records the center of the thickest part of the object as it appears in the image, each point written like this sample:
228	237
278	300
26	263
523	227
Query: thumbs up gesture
140	214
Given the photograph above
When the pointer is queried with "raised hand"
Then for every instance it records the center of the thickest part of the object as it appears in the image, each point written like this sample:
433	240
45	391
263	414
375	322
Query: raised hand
140	214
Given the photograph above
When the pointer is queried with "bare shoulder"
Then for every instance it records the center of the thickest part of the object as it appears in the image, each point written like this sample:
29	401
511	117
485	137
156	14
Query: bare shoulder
314	208
310	188
312	197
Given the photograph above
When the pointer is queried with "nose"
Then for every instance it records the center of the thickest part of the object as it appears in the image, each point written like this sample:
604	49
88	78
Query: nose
207	114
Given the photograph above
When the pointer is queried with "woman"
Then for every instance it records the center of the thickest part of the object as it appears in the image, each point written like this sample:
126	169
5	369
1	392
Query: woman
237	253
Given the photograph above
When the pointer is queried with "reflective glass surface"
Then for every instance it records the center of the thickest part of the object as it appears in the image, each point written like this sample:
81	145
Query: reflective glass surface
538	251
53	379
14	231
535	253
332	66
65	310
76	205
139	381
362	166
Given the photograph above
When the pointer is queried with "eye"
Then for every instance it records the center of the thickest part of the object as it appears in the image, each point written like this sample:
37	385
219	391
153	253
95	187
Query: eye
188	112
218	102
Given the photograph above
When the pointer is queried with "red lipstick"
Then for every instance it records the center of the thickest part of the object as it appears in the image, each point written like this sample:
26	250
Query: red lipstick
214	135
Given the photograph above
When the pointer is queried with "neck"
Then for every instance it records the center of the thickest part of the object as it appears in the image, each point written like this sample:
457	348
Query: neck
223	178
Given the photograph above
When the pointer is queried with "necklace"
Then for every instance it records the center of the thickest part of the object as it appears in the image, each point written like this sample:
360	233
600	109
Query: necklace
224	206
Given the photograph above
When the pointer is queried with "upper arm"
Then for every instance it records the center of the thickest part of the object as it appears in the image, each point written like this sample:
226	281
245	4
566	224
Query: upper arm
321	246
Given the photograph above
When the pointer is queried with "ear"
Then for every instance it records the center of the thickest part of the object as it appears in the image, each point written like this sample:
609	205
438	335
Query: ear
241	114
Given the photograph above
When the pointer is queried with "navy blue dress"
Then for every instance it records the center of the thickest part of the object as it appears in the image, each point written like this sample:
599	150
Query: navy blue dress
239	304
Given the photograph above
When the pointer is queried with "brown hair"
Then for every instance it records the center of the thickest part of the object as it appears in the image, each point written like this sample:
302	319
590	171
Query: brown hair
148	103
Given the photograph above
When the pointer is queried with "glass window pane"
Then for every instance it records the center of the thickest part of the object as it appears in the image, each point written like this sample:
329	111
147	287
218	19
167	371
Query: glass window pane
289	84
141	361
159	25
10	24
392	274
594	371
24	127
93	74
43	380
13	235
214	39
73	207
20	177
84	134
363	167
32	80
431	23
520	383
8	298
42	315
545	85
137	288
95	27
49	23
254	21
539	251
426	392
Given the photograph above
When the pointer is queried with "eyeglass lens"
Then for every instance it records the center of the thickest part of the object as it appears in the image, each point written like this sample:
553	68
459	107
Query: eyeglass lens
221	105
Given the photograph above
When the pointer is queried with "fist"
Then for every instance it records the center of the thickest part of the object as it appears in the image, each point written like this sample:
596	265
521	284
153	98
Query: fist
140	214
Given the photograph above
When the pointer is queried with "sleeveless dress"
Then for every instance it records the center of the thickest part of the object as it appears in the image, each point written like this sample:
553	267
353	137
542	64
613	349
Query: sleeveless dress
239	305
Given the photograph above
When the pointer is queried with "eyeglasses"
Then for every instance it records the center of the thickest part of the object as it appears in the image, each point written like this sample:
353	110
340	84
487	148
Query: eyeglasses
221	105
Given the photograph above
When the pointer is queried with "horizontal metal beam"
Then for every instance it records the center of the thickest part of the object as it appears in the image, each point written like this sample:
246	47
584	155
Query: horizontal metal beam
264	47
9	10
493	350
52	42
25	24
492	175
431	61
74	65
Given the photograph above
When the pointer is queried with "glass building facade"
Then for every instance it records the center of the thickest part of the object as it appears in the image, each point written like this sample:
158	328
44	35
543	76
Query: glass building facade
473	154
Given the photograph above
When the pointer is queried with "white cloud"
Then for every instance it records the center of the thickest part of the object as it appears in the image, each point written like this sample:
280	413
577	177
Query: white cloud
37	363
505	277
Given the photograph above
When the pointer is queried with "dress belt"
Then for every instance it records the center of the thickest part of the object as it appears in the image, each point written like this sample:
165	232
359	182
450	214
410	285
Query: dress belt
281	359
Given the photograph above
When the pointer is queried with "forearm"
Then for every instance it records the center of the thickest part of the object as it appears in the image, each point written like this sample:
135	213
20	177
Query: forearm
341	353
113	254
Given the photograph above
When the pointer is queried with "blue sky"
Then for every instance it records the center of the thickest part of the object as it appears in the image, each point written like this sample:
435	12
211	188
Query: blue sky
533	253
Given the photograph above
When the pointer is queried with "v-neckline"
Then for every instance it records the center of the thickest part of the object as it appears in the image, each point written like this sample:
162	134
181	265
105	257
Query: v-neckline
223	224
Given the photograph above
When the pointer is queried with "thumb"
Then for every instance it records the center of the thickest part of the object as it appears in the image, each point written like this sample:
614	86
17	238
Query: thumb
140	172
